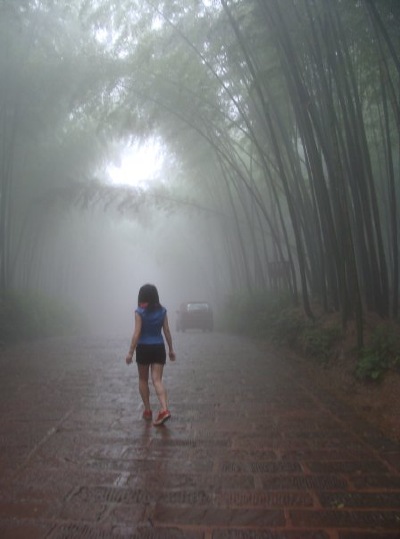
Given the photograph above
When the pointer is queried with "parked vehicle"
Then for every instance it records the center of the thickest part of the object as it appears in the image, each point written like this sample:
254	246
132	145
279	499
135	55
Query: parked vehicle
195	315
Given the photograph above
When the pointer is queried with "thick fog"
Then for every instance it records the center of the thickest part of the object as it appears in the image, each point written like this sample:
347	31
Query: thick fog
107	259
279	175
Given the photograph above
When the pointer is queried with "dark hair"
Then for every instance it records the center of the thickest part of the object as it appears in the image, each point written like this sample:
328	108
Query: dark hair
148	293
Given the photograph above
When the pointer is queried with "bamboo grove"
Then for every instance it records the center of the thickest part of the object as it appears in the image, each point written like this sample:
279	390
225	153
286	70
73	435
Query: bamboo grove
284	116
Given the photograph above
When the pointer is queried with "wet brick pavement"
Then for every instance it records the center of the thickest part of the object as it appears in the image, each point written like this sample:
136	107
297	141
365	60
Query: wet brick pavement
254	449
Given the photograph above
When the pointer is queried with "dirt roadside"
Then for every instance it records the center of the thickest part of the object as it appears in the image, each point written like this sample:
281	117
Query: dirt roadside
377	402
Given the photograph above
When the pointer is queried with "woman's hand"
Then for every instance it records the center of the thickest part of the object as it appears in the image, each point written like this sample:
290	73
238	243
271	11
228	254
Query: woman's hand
172	355
128	359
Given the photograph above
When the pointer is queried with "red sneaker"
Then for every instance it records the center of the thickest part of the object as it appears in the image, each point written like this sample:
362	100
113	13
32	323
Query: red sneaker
162	418
148	415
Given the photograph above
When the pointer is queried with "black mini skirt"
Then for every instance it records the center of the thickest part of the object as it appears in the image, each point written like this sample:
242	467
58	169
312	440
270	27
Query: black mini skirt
146	354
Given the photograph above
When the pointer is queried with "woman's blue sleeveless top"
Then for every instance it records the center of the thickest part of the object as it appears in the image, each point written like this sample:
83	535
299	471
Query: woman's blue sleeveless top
152	323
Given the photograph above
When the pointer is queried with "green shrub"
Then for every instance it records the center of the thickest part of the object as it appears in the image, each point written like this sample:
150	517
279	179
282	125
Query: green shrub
371	366
318	342
29	315
256	314
287	327
382	353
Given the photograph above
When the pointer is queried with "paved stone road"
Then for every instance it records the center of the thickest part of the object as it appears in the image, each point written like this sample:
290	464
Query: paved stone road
254	450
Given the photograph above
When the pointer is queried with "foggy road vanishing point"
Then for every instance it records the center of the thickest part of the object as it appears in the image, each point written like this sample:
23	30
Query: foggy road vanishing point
253	449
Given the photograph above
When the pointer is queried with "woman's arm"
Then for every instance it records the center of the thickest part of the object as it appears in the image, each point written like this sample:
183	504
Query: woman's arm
168	338
135	338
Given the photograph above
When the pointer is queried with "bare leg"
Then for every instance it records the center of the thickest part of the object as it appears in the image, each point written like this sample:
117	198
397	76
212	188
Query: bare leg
144	390
156	376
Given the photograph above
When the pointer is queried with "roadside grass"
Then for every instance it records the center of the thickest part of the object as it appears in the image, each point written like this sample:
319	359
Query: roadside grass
272	316
381	354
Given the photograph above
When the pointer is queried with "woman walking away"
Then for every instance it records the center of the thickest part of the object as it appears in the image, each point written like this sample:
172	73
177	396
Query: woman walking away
147	341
